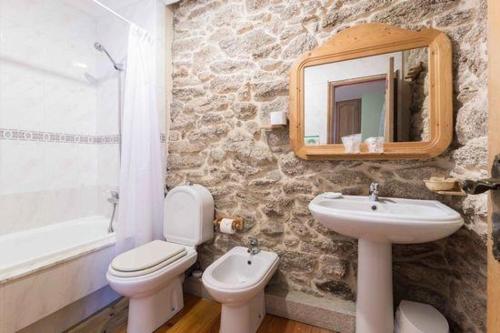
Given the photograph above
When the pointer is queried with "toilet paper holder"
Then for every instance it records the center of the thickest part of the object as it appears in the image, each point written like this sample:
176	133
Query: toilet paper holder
237	225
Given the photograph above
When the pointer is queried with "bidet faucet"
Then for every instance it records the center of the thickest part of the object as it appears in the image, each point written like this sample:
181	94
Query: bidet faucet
253	246
373	192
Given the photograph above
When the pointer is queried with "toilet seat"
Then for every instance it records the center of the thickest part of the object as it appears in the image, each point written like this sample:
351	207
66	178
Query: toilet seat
146	259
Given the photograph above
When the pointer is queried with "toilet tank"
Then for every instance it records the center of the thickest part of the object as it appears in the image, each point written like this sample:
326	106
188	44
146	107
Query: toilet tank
189	213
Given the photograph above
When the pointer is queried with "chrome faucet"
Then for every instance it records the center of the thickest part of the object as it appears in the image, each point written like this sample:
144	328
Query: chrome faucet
373	192
114	199
253	247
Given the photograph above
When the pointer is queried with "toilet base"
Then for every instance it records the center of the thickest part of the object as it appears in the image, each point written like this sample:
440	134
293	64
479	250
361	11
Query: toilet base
145	314
243	318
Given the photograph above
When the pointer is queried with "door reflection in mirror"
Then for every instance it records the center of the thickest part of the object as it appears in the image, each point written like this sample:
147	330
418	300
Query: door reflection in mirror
378	96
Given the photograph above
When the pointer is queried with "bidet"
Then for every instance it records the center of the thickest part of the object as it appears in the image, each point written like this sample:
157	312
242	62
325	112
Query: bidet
237	281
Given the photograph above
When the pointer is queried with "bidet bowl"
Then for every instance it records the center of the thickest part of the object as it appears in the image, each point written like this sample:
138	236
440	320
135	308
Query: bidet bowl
237	276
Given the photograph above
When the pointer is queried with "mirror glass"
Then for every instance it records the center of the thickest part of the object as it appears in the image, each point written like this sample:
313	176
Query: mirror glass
383	96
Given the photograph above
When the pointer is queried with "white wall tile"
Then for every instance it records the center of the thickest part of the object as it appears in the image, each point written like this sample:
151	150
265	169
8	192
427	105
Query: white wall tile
21	211
21	93
61	165
109	165
22	169
108	105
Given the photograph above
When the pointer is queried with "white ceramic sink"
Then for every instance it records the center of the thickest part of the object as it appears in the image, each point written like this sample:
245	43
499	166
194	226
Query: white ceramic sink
388	220
378	224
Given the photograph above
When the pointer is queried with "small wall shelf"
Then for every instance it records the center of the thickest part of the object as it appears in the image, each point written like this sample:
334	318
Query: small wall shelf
453	192
456	190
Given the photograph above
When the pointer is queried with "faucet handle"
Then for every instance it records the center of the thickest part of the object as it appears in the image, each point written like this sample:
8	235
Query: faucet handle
254	242
374	187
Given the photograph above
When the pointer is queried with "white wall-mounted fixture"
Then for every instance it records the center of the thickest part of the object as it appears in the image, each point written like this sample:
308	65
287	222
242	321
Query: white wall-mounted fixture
278	118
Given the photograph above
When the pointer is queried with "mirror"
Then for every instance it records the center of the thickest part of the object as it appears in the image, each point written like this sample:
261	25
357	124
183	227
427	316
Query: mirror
373	83
378	96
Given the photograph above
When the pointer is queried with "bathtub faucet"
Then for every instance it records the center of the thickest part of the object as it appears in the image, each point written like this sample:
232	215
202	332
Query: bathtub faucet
114	199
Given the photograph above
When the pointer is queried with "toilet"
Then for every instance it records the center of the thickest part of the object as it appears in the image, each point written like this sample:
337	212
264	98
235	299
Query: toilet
237	281
152	274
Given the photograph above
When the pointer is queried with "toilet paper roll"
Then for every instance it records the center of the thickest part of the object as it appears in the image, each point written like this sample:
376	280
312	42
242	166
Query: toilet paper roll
226	226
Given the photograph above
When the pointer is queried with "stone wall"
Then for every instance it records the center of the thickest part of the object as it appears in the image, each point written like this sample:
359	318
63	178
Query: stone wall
231	62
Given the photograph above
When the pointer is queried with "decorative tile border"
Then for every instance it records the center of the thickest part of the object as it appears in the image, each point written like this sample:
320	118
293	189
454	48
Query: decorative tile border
23	135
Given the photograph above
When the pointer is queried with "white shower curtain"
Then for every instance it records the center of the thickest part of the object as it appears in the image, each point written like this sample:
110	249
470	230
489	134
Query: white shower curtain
140	218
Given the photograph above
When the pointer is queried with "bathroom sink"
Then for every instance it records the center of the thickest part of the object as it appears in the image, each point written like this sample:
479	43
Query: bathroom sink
377	224
393	220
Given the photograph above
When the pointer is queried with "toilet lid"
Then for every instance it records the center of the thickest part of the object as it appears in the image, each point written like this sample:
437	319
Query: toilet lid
148	270
148	255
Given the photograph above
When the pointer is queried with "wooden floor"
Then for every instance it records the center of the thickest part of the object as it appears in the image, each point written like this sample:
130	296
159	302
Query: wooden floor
203	316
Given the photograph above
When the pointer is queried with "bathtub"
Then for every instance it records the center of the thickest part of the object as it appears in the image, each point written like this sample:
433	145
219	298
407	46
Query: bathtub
45	269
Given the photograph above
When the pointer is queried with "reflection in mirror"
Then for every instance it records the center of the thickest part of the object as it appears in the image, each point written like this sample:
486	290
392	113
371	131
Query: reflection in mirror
378	96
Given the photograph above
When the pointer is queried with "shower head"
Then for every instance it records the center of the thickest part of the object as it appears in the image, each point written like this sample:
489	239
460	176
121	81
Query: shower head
98	46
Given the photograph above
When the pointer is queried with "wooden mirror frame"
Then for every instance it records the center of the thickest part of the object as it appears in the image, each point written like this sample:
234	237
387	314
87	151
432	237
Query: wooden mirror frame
368	40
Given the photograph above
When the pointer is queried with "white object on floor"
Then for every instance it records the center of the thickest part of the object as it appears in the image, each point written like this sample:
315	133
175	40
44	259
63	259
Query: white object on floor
237	281
151	275
413	317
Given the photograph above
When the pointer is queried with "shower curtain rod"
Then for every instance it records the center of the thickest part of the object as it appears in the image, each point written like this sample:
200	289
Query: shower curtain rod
115	13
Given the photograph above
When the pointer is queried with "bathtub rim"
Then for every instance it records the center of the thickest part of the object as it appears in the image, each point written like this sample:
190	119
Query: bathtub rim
52	260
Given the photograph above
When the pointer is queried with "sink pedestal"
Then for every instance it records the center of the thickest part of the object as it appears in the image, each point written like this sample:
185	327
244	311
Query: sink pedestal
374	303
